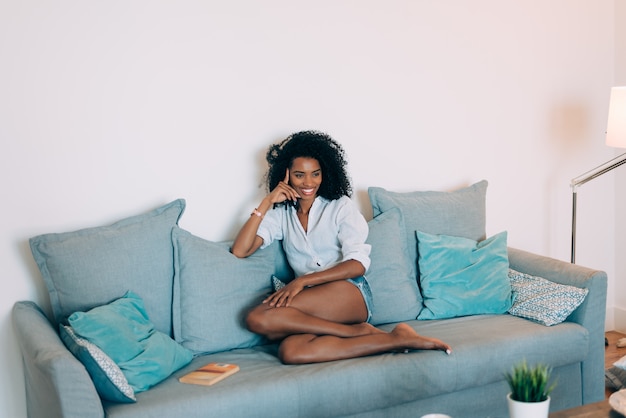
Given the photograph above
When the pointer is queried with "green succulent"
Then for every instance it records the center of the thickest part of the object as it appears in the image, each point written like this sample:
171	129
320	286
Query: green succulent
529	384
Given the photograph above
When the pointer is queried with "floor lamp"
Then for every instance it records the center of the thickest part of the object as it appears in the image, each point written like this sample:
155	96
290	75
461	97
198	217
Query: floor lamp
615	137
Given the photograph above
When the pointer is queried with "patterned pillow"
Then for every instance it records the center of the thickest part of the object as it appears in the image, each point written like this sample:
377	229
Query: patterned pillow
277	284
543	301
107	377
123	330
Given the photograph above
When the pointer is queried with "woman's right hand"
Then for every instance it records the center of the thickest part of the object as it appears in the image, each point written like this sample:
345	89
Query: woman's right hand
283	191
284	296
247	240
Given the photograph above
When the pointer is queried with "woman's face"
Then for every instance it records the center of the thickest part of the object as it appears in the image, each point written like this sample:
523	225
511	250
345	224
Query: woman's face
305	175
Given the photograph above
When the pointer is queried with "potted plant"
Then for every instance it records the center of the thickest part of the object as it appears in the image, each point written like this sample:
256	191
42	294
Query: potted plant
530	392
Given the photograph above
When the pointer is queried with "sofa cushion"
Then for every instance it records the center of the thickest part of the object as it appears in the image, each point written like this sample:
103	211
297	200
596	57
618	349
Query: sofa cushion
458	213
484	347
543	301
123	331
107	377
90	267
213	291
394	290
460	276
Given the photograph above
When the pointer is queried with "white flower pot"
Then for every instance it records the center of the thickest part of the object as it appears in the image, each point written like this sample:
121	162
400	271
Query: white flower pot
528	409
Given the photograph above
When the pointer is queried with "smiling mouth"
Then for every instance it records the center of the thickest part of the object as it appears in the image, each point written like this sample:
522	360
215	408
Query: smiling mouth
307	192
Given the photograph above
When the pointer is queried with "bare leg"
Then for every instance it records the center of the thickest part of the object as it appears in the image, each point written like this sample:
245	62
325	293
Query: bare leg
307	348
326	323
279	323
335	308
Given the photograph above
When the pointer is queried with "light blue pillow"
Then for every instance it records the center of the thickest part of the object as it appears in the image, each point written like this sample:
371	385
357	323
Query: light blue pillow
459	213
122	330
460	276
394	292
394	289
90	267
214	290
107	377
543	301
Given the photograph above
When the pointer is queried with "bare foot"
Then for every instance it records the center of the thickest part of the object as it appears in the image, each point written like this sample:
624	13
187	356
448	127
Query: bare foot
409	339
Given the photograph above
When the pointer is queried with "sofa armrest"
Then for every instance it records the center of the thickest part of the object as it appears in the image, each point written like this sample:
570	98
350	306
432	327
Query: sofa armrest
590	314
57	384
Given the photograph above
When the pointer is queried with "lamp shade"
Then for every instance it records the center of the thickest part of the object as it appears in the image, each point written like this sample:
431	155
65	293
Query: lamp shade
616	125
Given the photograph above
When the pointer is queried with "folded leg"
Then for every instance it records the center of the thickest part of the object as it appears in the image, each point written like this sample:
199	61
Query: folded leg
309	348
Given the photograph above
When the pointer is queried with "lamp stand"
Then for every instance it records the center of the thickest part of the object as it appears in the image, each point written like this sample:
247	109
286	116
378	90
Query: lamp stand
584	178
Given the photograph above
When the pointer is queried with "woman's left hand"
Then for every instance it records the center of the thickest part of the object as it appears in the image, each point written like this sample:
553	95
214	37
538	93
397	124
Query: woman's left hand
284	296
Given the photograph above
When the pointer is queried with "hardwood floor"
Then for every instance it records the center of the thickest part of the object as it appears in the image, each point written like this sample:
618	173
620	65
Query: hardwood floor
612	353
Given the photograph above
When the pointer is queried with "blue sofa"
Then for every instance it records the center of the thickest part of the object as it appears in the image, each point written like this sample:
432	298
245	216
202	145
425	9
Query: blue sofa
196	294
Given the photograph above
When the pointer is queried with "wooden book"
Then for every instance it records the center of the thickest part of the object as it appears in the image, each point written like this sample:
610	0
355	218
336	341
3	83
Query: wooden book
209	374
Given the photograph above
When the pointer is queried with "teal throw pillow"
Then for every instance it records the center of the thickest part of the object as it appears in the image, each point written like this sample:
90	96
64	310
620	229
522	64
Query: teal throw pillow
460	276
123	331
459	213
107	377
90	267
214	290
543	301
394	289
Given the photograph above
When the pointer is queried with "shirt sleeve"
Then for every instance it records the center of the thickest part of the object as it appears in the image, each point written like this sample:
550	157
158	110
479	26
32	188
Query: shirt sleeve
270	228
353	232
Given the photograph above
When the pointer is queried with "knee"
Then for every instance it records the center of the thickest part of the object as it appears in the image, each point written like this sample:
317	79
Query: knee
256	322
287	355
291	352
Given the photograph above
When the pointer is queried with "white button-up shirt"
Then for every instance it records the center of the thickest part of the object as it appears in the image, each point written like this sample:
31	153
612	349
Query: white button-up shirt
336	232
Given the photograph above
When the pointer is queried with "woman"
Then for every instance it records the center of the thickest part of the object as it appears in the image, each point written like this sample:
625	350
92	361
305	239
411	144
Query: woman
322	314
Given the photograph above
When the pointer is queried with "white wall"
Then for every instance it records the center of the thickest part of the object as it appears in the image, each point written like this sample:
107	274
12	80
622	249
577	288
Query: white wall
111	108
620	176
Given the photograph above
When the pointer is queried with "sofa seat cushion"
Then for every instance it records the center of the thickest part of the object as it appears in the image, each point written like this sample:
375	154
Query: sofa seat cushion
484	347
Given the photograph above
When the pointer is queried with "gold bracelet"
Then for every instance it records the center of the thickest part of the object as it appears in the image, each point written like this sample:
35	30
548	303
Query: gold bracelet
257	213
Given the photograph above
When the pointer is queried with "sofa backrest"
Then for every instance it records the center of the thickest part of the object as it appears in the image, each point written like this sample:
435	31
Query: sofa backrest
91	267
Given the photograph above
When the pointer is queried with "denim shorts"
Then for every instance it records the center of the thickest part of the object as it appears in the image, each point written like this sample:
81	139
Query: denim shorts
364	287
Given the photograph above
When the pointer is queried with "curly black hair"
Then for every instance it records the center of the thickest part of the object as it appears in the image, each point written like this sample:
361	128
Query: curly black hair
311	144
